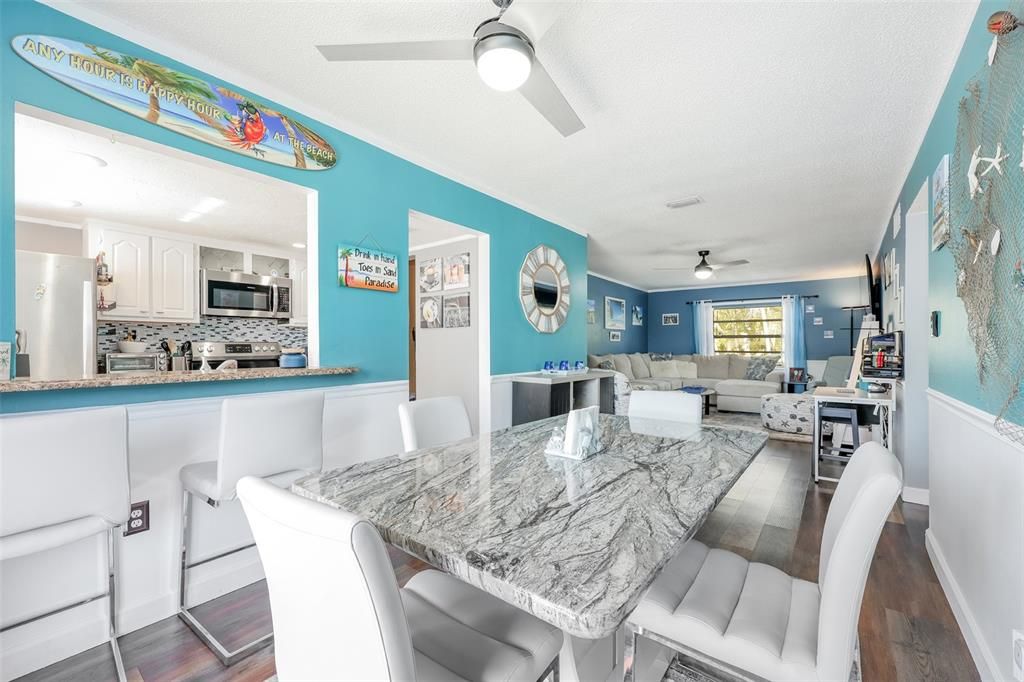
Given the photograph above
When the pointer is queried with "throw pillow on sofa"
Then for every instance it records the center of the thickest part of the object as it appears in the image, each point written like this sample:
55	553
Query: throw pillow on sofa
606	364
623	365
712	366
639	364
686	369
665	369
760	367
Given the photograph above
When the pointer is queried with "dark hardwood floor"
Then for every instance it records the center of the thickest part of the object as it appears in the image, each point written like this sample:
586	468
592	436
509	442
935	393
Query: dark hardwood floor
774	514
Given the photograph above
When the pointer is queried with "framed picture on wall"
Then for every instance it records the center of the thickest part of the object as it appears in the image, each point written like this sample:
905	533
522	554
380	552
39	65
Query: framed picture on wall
638	316
615	337
614	313
456	271
940	204
591	311
430	275
456	311
430	312
670	319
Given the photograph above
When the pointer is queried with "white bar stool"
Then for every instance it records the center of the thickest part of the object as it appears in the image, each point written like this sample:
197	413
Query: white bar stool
278	437
63	478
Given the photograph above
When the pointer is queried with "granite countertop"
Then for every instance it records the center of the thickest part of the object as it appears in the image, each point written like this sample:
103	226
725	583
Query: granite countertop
574	543
104	380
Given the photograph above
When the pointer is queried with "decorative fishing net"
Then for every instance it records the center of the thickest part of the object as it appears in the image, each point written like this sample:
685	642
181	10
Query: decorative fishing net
991	285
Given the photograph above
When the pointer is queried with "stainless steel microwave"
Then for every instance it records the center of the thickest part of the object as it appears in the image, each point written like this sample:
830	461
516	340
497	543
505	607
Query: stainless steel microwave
236	294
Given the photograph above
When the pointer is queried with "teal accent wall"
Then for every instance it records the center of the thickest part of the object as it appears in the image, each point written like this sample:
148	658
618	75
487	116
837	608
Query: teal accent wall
369	191
952	362
634	339
832	294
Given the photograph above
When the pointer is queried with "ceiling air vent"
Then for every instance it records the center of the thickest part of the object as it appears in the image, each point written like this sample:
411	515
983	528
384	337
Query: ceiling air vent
683	203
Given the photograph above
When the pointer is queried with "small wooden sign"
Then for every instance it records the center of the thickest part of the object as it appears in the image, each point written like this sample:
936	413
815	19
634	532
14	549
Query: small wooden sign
178	101
362	268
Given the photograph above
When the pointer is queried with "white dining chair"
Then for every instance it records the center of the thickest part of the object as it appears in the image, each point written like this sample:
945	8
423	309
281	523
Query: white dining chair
748	618
277	436
64	478
339	614
433	421
674	406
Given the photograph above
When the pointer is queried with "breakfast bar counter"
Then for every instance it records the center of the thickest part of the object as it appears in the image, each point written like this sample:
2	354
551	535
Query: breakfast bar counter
108	380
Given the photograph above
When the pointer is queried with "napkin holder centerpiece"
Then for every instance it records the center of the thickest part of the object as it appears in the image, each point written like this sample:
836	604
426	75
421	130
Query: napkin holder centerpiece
581	437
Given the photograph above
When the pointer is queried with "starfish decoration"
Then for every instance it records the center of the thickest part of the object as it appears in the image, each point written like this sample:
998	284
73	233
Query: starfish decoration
977	159
995	161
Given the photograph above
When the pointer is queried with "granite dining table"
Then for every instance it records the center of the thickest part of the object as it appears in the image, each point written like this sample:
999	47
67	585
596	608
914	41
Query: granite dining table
576	543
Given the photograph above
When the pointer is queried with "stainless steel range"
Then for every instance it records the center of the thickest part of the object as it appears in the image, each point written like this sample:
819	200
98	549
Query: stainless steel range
249	354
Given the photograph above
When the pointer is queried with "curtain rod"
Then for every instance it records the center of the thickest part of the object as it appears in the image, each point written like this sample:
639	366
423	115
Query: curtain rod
750	300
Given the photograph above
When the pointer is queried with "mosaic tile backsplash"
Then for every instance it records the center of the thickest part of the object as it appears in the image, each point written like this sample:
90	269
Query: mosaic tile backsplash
210	328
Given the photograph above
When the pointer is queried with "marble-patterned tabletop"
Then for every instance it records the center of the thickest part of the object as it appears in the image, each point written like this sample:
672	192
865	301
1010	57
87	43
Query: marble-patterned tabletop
574	543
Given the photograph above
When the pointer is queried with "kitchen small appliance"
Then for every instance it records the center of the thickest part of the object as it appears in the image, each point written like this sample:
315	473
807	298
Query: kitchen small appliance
136	363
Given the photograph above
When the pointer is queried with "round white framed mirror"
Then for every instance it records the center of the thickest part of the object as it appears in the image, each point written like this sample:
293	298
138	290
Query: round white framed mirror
544	289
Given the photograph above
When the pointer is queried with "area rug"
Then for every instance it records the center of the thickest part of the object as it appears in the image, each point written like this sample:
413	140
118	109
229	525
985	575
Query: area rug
751	422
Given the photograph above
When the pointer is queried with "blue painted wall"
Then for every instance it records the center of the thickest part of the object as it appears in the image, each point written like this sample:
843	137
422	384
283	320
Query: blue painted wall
369	191
634	339
833	295
952	362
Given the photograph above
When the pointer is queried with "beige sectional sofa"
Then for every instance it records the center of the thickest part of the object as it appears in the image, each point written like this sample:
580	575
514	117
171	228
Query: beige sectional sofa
724	373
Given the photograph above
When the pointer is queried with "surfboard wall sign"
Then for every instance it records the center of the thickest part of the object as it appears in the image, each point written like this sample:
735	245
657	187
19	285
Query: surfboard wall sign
171	99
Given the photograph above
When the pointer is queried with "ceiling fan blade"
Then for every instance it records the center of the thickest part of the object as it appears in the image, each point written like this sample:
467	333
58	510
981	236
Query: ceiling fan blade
673	268
540	91
427	50
729	264
534	18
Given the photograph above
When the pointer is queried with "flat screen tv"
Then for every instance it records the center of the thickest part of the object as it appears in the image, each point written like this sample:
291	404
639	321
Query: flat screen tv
874	289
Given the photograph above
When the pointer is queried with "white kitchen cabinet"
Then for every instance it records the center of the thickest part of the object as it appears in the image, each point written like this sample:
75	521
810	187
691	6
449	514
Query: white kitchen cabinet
155	277
300	292
174	279
128	256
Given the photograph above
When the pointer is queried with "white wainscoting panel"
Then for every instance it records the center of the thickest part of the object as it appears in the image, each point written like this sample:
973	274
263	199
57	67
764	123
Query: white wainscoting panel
360	423
976	528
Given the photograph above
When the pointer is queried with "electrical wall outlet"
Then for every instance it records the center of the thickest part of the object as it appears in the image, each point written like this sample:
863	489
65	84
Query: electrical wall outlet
1018	655
138	520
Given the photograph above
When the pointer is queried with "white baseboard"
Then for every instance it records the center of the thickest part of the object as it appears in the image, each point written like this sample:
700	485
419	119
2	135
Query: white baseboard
915	495
983	659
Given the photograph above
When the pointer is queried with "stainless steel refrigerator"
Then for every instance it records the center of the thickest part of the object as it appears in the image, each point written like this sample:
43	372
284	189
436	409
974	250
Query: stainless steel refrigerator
55	314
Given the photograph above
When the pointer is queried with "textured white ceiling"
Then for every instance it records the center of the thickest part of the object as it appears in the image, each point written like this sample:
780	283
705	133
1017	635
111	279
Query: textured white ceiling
145	188
797	122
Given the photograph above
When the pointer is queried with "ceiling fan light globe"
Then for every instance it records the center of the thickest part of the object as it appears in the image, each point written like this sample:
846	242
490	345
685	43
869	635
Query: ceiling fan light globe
503	61
702	271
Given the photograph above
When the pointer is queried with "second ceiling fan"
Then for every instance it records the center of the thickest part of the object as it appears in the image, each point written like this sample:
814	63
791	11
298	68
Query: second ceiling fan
505	58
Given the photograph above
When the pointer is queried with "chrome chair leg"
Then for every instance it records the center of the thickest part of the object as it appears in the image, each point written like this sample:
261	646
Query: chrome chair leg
228	658
112	565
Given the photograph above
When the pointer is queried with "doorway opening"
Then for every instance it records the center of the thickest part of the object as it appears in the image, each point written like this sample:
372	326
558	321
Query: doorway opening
449	315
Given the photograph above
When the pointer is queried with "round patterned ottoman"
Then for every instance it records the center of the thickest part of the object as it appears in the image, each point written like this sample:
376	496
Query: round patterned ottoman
791	413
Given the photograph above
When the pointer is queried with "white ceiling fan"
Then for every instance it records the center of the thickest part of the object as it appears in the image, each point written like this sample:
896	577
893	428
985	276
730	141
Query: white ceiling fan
703	269
505	58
